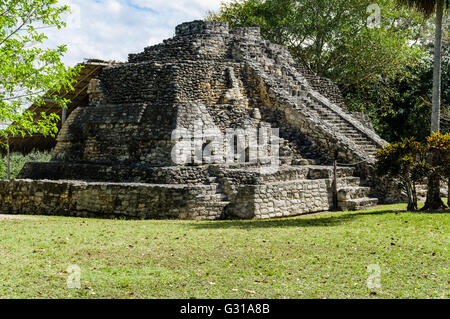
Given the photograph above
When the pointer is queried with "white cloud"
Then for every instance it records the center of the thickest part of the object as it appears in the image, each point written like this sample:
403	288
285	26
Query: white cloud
110	29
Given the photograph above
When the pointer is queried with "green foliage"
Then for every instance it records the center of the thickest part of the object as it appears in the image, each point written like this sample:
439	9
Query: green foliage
410	161
425	6
331	37
385	72
438	146
18	161
29	73
400	106
406	162
399	159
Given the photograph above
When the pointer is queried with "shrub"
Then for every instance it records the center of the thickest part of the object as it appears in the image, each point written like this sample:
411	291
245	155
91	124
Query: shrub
438	166
411	161
406	162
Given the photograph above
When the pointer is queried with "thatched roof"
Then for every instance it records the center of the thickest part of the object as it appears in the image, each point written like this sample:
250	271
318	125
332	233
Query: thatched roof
78	97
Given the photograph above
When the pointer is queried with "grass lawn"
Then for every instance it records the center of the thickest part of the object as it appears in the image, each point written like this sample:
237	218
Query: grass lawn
316	256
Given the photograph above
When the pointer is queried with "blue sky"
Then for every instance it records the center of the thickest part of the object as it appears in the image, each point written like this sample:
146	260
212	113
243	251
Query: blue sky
110	29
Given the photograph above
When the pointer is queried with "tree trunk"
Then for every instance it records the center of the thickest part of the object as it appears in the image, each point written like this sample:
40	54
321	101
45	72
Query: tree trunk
448	193
434	200
435	117
414	195
410	206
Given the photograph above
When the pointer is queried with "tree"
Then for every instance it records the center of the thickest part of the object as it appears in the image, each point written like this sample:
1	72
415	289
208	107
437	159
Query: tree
404	161
29	73
427	7
438	148
332	37
400	106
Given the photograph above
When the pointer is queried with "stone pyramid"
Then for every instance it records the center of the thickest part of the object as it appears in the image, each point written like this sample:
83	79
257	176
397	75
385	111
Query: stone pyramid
138	150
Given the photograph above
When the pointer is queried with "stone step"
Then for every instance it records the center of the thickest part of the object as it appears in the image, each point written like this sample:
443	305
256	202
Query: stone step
341	122
348	182
257	175
327	114
358	204
344	126
304	162
366	147
268	161
349	130
326	172
347	193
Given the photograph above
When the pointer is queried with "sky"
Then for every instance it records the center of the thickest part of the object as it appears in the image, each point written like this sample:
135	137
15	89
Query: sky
111	29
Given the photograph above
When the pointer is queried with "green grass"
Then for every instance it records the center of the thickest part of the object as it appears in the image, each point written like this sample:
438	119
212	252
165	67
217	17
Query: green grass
316	256
18	161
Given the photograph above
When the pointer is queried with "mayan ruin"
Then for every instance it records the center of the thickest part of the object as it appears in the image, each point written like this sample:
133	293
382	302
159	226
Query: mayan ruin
138	150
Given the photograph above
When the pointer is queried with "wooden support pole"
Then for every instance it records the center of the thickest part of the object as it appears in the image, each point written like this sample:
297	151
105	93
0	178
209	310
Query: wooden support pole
64	115
335	191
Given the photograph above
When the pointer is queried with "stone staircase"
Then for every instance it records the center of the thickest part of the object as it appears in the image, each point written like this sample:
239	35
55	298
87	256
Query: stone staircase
306	100
217	201
355	198
352	194
278	70
340	124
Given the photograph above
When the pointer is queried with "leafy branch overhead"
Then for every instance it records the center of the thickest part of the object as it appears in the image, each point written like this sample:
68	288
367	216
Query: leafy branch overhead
29	72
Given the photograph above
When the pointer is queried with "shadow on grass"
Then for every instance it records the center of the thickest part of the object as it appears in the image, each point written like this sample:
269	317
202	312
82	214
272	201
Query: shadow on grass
313	220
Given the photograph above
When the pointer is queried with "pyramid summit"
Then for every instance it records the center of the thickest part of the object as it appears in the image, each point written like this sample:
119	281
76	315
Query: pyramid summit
212	123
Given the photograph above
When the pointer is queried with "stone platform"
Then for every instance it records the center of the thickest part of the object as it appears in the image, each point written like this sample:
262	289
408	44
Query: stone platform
119	157
242	192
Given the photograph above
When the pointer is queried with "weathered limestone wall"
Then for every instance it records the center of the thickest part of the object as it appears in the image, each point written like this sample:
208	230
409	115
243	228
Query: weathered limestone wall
206	82
205	64
184	175
197	40
109	200
282	199
158	201
139	83
114	134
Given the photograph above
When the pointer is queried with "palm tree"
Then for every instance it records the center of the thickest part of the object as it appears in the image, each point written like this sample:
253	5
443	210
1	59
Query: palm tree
427	7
